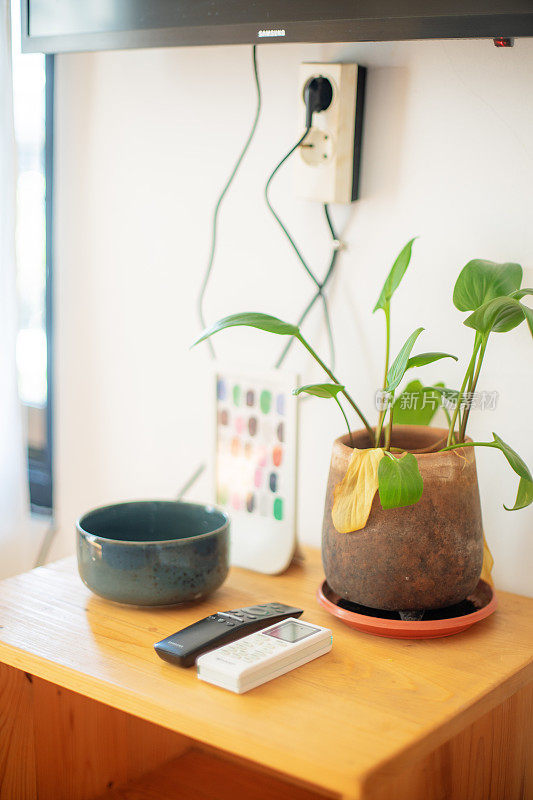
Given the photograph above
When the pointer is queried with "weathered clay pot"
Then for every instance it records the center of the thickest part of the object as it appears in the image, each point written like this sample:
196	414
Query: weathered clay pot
424	556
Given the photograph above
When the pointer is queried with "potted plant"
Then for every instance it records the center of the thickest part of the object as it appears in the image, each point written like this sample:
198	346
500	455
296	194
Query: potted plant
402	525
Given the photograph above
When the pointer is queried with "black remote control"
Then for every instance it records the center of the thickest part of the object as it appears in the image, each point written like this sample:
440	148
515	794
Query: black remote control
184	647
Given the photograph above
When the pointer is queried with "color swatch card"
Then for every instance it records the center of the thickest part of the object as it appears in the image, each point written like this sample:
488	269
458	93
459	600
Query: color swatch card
255	465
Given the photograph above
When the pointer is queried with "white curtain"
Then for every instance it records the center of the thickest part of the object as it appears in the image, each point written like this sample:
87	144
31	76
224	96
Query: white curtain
17	550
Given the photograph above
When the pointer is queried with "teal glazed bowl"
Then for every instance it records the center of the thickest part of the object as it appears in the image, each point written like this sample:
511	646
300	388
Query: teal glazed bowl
153	552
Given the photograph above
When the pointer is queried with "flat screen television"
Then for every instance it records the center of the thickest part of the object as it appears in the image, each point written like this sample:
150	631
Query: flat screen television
54	26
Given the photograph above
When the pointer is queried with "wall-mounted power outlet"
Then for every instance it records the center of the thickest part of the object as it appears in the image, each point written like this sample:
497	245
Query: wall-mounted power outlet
327	162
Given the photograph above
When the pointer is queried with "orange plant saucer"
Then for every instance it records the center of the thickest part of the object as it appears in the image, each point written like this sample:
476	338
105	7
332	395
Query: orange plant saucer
483	599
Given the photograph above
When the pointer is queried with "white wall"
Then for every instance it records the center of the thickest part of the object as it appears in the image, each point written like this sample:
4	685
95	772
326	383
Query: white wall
146	139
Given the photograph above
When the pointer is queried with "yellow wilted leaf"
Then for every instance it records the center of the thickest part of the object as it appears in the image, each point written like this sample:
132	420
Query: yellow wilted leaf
354	494
488	563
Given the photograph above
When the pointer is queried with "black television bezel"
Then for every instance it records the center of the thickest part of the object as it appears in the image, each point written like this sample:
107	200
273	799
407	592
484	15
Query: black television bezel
411	23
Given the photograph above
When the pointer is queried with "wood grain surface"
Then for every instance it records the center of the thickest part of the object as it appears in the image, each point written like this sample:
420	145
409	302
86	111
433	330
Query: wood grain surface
202	776
369	709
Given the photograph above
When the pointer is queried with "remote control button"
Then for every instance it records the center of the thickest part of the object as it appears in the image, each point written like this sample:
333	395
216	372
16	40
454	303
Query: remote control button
230	624
257	610
220	620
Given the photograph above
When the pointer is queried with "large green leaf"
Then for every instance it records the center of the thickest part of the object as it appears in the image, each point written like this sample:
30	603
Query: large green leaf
399	365
525	488
427	358
499	315
400	481
252	320
417	404
515	461
326	390
524	495
480	281
395	276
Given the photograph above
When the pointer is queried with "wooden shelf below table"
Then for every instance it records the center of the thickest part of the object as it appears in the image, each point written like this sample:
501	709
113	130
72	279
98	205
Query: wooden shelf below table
87	709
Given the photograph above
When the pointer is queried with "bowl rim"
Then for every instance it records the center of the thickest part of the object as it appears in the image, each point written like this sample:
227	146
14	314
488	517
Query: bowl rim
96	537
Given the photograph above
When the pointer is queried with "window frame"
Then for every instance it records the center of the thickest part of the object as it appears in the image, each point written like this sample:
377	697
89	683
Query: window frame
40	461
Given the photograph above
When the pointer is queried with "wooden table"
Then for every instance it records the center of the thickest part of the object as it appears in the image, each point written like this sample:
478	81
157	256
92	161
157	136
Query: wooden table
88	709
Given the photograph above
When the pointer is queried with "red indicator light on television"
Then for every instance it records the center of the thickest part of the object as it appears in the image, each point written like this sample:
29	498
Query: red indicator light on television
503	41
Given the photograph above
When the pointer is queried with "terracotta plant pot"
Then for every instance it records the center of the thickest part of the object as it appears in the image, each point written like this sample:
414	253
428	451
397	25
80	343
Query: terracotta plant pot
424	556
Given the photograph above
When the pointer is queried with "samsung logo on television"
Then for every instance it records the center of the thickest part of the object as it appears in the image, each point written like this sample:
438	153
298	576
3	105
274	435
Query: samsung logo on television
269	33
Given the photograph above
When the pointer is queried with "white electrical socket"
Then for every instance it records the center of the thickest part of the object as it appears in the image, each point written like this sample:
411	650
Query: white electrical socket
327	162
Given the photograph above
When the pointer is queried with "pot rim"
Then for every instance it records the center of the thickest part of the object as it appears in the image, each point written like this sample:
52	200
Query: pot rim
342	441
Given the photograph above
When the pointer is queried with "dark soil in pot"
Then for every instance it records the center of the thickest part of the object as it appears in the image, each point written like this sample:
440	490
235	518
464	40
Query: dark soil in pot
424	556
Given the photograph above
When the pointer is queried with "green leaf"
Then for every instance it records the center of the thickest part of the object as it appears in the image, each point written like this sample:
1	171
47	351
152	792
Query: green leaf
515	462
499	315
528	314
525	488
427	358
480	281
449	394
524	495
327	390
520	293
395	276
400	481
417	404
399	365
252	320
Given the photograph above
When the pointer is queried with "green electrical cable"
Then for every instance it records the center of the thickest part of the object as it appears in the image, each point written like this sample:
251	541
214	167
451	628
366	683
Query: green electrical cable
227	185
319	285
319	293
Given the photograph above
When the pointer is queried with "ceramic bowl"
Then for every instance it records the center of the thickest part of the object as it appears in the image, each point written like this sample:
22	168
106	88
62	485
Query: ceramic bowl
153	552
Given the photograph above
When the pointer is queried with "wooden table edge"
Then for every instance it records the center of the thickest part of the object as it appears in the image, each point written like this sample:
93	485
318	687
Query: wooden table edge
347	786
428	741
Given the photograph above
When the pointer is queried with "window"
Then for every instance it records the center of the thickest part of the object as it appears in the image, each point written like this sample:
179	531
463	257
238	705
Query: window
33	80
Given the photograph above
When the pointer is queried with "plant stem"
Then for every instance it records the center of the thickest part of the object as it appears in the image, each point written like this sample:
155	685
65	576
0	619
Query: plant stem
448	418
382	413
345	419
388	433
469	444
466	379
387	344
379	427
334	379
472	385
477	342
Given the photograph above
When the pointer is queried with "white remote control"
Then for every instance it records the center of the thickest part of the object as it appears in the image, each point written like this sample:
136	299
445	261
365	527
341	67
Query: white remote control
255	659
